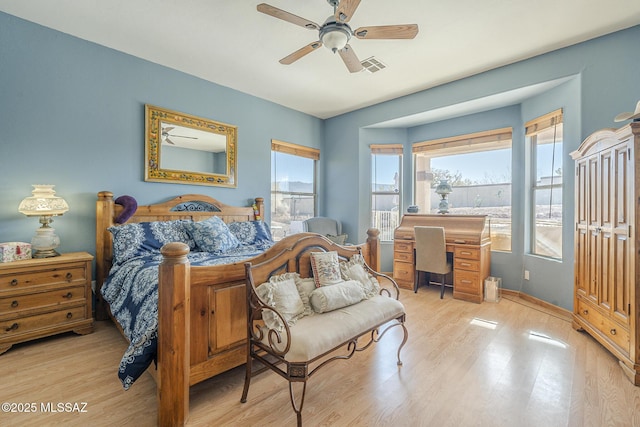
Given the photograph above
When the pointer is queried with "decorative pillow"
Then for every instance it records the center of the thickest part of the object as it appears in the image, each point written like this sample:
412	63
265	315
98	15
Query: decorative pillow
326	269
343	294
129	207
305	287
340	239
143	238
251	232
212	235
283	296
354	270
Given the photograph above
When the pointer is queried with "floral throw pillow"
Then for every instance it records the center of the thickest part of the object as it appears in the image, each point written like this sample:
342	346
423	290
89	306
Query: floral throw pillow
144	238
326	268
251	232
212	235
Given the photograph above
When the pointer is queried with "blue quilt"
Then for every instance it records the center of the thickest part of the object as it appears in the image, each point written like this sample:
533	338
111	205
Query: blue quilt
131	290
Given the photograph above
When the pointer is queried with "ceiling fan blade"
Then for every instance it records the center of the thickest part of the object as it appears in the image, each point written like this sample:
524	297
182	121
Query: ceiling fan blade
290	59
168	141
350	59
346	9
408	31
168	129
286	16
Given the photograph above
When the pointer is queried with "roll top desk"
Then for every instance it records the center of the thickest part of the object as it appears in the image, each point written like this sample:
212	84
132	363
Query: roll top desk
467	238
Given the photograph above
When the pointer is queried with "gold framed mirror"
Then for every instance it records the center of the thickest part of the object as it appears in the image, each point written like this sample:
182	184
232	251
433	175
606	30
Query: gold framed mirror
186	149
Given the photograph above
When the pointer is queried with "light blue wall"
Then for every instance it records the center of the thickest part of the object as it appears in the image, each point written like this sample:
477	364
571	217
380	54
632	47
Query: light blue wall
72	114
602	81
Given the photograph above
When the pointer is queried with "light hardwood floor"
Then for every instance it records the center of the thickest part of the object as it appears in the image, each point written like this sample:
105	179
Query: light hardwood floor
492	364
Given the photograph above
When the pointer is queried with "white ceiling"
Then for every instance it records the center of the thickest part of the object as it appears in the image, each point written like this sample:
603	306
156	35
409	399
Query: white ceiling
230	43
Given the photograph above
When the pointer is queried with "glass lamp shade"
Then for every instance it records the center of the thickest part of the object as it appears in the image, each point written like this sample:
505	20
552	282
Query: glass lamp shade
335	39
444	187
45	204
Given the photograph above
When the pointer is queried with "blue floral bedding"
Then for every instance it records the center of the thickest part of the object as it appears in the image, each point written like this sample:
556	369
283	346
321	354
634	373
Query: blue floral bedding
132	286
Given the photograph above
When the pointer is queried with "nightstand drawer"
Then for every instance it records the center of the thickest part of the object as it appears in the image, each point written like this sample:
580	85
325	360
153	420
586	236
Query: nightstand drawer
41	321
48	277
14	306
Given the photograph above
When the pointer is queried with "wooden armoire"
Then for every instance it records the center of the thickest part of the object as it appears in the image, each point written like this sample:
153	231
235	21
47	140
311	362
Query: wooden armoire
607	270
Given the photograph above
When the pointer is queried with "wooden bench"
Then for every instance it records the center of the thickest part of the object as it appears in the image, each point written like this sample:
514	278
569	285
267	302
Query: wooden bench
298	351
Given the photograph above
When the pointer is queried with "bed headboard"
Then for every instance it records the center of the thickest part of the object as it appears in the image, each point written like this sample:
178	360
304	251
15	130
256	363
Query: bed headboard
189	206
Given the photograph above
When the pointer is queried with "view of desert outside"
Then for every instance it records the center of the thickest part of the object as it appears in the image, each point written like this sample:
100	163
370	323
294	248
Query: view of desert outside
481	183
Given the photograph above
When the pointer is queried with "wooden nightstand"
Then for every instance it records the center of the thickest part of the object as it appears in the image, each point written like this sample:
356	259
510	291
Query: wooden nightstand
41	297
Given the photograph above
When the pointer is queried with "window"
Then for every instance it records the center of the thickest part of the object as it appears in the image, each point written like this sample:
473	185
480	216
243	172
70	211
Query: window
478	167
386	188
544	135
293	187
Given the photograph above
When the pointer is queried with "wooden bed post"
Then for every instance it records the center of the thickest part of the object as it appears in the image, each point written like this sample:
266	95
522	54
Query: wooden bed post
373	239
104	220
174	302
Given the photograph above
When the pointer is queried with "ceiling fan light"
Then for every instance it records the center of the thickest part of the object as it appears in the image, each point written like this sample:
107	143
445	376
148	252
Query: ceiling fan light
335	39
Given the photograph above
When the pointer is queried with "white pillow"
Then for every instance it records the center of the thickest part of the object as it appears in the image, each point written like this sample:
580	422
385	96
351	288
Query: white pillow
343	294
354	270
305	287
284	297
326	268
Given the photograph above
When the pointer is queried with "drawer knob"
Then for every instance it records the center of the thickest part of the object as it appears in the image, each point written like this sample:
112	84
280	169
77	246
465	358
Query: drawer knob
613	331
69	276
14	282
466	281
465	264
585	312
69	315
68	295
14	304
12	327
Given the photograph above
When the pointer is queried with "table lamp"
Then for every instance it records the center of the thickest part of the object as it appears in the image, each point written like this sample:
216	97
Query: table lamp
45	204
444	189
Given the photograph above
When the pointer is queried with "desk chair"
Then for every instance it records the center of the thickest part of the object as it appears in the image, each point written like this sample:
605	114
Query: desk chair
431	254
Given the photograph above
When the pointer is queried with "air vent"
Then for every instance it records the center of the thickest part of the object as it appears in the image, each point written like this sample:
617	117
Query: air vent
373	65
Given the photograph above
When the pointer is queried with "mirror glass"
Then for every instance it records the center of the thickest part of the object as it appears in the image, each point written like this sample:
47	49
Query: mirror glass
183	148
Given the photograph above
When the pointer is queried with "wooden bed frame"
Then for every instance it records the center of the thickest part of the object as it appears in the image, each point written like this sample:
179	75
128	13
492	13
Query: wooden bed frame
201	310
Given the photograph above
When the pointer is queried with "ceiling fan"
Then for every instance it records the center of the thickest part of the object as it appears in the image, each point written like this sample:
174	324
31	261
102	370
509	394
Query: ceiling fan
165	133
335	33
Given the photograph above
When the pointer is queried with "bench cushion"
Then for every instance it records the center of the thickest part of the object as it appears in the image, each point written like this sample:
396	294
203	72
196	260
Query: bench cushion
313	336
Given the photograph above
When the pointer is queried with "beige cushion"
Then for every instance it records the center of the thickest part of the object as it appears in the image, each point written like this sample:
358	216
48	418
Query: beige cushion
305	288
315	335
283	296
329	298
354	270
326	268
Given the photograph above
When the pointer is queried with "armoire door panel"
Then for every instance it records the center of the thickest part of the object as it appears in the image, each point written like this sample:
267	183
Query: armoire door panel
606	182
621	292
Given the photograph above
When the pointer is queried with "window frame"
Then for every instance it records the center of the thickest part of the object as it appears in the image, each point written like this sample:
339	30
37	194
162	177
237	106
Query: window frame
489	140
532	129
295	150
386	233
